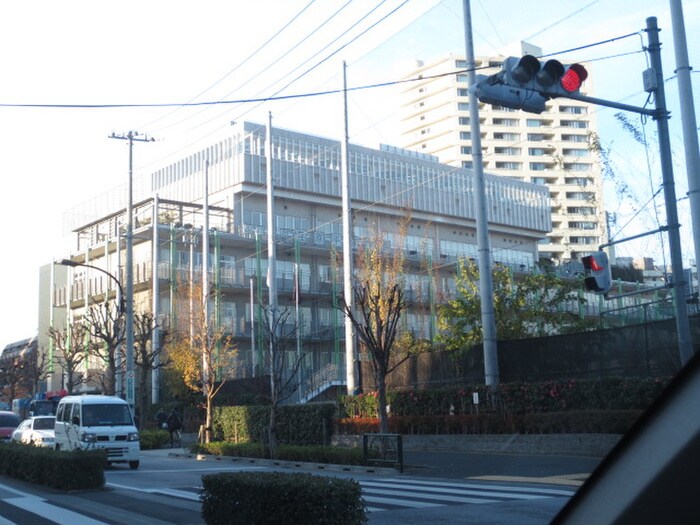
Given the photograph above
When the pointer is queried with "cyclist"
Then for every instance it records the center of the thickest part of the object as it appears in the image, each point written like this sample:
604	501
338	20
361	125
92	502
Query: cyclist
174	426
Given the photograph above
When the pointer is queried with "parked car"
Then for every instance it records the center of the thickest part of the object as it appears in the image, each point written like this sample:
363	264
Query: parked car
9	421
37	431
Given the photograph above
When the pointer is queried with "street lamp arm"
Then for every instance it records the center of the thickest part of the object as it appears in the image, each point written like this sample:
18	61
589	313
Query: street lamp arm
73	264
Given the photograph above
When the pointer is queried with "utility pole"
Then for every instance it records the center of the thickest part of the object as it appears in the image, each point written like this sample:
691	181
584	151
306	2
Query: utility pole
690	134
488	313
131	137
352	365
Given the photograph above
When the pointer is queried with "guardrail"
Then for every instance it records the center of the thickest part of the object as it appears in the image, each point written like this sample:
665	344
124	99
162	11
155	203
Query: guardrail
384	449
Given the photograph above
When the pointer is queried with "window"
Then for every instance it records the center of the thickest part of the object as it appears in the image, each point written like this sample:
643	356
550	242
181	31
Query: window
467	164
580	124
580	210
574	110
506	136
466	150
463	121
538	166
579	195
574	138
535	137
534	123
578	181
536	152
582	225
538	180
463	106
576	166
502	108
461	92
509	165
570	152
460	64
583	240
465	135
505	122
507	151
462	78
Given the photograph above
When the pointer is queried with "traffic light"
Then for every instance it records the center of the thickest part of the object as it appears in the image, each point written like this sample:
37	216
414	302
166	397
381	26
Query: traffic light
525	83
598	276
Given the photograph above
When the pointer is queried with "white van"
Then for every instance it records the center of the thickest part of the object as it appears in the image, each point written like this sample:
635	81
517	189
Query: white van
92	421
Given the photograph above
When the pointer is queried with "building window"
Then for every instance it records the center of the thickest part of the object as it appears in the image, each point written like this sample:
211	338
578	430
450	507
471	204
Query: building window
583	240
507	151
574	138
538	166
535	137
576	166
467	164
534	123
463	121
536	152
579	195
538	180
576	152
461	92
580	210
578	181
505	122
466	150
582	225
509	165
580	124
574	110
506	136
465	135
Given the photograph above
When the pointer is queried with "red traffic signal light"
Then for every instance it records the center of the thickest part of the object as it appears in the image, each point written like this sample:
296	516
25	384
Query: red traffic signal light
550	79
598	273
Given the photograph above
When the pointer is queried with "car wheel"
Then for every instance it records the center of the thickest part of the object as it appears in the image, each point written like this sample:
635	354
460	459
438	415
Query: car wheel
133	465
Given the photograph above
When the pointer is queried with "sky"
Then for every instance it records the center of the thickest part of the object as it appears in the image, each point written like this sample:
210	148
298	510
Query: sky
76	71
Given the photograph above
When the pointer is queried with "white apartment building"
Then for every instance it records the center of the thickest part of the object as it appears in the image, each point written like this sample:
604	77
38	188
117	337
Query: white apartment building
551	149
386	185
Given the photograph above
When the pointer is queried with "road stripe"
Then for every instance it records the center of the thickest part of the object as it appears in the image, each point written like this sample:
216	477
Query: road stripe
484	487
434	497
39	506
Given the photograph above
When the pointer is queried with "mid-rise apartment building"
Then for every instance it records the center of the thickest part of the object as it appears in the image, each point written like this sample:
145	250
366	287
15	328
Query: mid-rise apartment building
386	186
552	149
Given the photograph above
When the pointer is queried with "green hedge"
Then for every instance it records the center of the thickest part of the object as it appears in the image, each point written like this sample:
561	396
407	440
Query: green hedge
614	393
152	439
61	470
308	424
568	422
307	453
275	498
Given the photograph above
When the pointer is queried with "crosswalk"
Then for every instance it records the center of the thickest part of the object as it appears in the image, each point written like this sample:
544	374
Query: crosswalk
397	493
18	507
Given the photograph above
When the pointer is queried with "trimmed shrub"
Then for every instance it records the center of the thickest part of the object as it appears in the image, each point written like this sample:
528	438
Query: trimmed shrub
275	498
61	470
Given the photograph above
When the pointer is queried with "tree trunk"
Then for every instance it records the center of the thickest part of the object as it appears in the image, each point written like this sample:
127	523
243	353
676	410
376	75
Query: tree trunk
272	436
381	405
208	420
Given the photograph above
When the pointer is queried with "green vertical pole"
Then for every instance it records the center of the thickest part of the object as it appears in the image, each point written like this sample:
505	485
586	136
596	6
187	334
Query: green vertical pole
173	276
334	288
258	323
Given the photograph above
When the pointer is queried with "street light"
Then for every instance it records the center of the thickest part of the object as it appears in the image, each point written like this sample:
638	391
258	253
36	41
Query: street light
73	264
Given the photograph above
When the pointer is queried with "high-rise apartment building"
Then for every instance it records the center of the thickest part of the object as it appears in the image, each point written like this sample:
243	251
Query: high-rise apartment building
553	148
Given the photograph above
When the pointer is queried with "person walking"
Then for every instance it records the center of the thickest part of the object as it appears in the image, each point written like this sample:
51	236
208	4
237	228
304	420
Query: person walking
174	426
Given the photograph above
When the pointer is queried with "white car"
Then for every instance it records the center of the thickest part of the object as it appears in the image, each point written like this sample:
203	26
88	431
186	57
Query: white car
37	431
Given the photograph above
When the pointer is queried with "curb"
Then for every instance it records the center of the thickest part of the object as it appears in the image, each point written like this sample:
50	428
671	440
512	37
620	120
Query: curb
328	467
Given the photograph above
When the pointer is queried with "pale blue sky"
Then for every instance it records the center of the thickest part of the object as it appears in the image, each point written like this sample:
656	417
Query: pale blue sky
175	51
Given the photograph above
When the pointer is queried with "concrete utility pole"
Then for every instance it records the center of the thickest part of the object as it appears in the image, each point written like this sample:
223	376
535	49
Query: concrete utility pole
685	344
131	136
351	363
488	314
690	127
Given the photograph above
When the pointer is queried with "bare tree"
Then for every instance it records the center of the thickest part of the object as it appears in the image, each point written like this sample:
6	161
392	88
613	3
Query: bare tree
37	367
283	364
14	378
146	358
106	334
379	303
71	346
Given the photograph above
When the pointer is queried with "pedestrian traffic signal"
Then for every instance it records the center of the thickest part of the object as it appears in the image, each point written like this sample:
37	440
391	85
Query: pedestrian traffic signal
598	276
525	83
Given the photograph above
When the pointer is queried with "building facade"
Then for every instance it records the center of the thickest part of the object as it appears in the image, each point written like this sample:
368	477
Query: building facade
388	187
554	149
